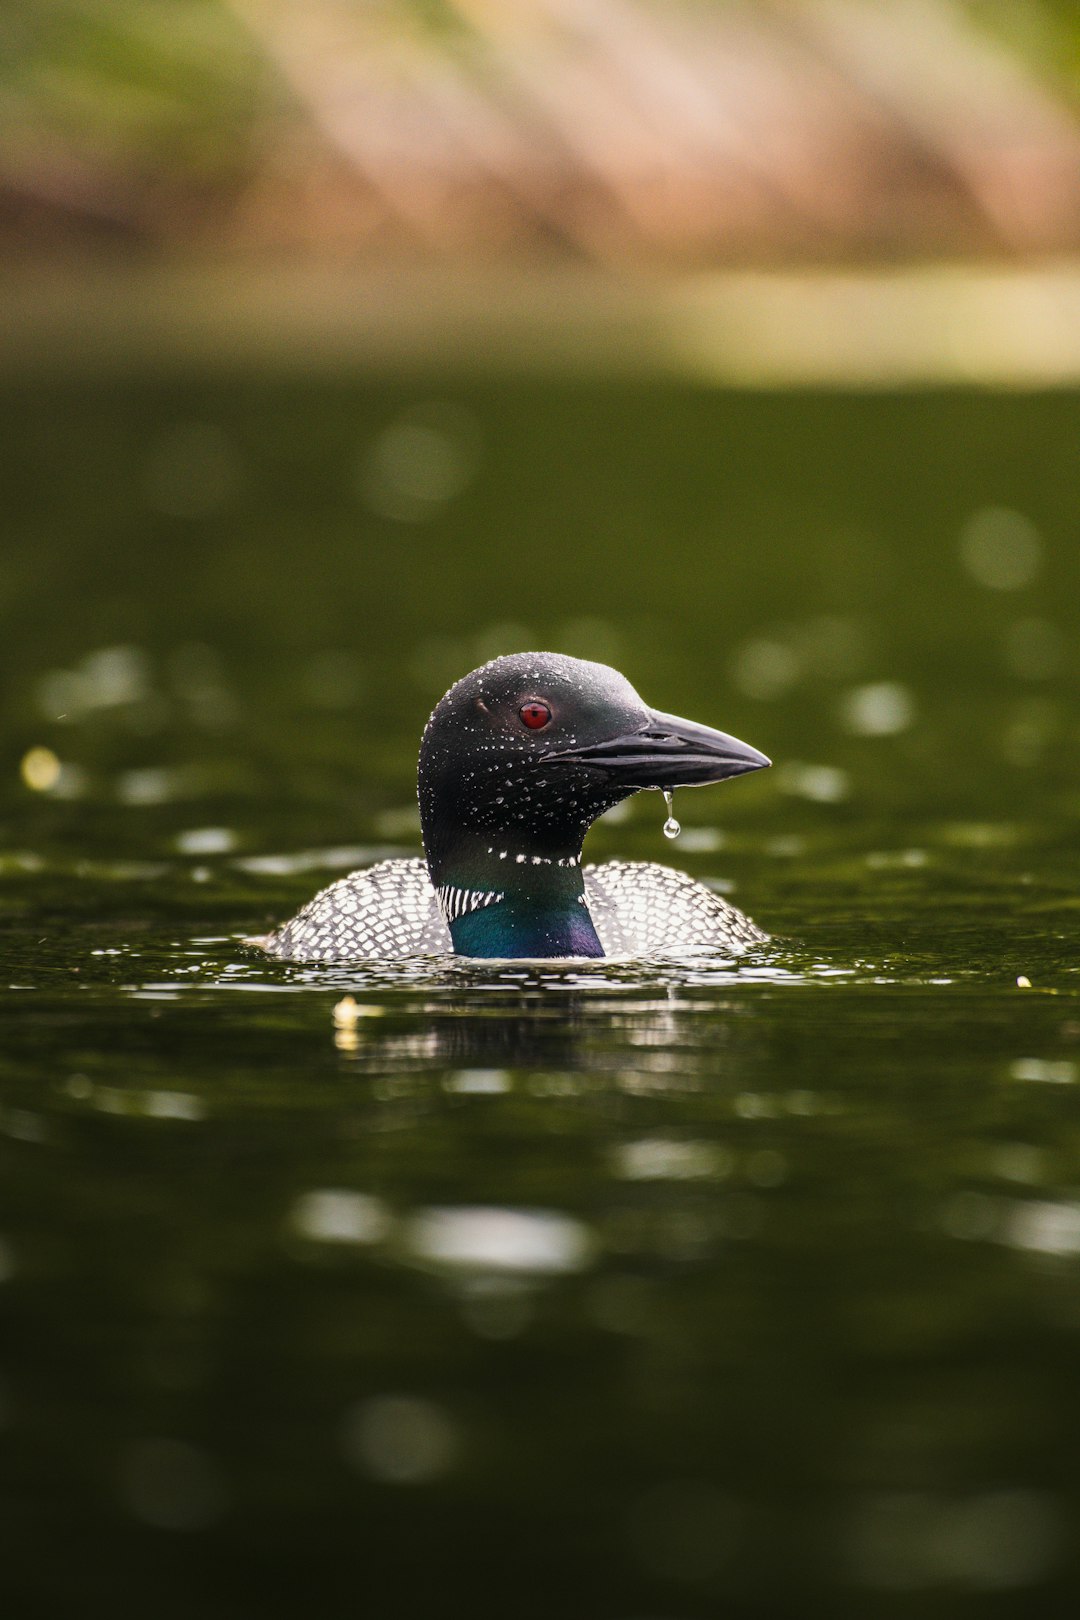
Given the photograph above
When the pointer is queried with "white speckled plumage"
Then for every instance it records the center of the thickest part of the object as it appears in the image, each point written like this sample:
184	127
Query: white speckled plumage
391	912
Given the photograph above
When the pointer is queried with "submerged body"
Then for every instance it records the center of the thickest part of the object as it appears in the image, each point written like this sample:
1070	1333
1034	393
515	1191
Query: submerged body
516	762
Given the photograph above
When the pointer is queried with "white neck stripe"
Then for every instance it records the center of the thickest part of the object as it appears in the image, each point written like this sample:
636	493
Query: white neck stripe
455	902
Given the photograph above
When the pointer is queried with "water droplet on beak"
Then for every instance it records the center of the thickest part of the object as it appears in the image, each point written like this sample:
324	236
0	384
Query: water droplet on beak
672	828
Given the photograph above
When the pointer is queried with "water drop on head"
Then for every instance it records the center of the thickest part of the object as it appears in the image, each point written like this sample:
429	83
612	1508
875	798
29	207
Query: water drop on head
671	826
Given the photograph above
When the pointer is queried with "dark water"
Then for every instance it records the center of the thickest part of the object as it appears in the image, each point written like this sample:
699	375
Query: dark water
630	1291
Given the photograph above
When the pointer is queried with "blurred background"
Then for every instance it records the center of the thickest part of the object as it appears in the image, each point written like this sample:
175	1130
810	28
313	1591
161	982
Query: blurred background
615	133
349	344
345	344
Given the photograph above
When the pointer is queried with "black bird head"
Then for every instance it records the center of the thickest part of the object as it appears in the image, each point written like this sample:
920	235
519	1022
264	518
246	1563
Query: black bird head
531	748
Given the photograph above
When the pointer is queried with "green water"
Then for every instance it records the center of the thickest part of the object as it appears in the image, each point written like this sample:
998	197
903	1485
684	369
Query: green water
629	1291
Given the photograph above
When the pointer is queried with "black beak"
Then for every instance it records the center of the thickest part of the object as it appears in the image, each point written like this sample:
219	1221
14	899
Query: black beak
670	753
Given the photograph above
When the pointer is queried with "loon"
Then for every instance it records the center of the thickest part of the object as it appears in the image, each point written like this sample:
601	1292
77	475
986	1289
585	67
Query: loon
516	763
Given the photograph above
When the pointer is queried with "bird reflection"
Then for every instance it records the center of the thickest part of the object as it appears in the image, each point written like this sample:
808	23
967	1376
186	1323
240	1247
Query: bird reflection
545	1027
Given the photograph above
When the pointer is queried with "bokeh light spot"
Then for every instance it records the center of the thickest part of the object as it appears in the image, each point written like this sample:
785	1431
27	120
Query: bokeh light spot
660	1159
822	784
205	841
420	462
490	1238
765	669
335	1215
40	769
879	709
399	1439
1000	549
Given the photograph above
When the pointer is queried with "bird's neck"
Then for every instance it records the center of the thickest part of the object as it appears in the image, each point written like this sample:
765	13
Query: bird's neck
508	898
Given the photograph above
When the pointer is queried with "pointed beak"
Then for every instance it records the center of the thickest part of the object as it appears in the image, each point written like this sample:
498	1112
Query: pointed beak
669	752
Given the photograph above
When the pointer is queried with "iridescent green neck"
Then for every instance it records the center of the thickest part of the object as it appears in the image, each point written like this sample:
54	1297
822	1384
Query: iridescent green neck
510	902
509	930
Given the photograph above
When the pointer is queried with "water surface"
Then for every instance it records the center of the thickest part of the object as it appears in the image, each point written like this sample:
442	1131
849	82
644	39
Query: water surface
666	1289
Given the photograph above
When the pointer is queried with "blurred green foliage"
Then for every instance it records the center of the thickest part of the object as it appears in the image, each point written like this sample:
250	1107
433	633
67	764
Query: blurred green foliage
158	119
181	88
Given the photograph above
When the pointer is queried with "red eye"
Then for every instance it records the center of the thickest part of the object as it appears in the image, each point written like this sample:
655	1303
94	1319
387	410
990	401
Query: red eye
534	715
